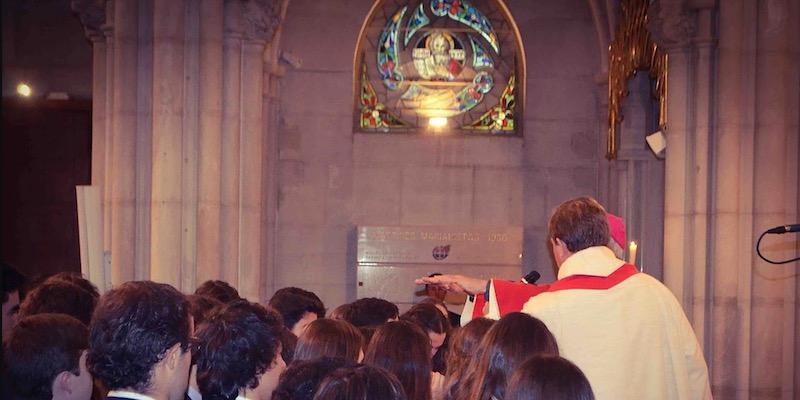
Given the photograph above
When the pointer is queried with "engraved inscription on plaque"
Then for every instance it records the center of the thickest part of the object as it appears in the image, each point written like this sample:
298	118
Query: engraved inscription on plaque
440	244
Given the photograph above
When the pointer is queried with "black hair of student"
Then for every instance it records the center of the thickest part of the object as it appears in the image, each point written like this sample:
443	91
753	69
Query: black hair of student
201	307
293	303
288	345
367	332
39	348
220	290
428	317
361	382
234	347
370	311
13	281
302	378
548	378
59	297
132	328
78	279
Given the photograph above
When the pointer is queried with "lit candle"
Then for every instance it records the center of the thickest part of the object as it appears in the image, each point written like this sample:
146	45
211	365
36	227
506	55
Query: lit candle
632	253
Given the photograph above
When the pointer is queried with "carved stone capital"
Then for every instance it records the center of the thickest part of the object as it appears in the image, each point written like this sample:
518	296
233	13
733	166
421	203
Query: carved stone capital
672	23
92	14
260	19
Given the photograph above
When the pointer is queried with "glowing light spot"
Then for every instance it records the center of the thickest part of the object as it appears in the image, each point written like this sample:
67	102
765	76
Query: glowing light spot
437	122
24	90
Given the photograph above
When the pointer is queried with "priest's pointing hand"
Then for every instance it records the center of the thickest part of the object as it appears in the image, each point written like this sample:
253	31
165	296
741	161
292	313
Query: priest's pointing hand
455	283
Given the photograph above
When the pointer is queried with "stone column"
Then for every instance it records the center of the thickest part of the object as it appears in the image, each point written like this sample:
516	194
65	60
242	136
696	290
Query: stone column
105	154
185	201
190	173
704	43
686	31
144	139
229	174
775	151
674	27
273	72
731	262
210	140
251	174
168	76
261	19
122	175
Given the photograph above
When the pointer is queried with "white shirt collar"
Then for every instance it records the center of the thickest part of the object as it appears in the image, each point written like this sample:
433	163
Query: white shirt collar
129	395
595	261
193	393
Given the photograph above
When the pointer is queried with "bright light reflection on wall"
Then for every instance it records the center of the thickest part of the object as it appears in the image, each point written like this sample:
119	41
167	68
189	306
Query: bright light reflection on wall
437	122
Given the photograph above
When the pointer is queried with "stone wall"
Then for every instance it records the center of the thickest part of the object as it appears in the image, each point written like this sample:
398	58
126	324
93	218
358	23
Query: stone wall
331	180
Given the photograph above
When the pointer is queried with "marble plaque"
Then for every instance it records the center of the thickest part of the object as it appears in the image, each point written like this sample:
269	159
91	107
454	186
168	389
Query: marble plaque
391	257
440	245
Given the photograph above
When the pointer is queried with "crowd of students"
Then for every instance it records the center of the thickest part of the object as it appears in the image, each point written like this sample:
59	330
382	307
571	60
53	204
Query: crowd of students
602	330
145	340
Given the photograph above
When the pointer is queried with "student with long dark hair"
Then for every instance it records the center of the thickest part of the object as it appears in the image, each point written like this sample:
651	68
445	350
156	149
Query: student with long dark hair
363	382
403	348
506	345
464	344
548	378
330	338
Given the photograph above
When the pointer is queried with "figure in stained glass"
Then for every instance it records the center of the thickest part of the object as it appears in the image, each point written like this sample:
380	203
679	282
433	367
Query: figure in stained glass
439	57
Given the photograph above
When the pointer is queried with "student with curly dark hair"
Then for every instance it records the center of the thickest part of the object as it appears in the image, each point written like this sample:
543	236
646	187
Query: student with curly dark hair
220	290
362	382
201	307
298	307
548	378
61	297
238	352
331	338
139	341
76	278
45	358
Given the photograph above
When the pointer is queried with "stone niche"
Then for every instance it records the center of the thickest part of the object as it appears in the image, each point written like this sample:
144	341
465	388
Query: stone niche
389	258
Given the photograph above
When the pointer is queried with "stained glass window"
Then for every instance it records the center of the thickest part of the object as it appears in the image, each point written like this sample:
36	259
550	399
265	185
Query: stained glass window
458	62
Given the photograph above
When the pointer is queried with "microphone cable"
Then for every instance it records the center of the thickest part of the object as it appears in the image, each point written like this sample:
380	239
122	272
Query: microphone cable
758	251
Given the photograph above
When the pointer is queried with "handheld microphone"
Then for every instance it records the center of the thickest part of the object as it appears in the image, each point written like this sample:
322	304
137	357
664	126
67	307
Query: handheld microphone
532	277
785	229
